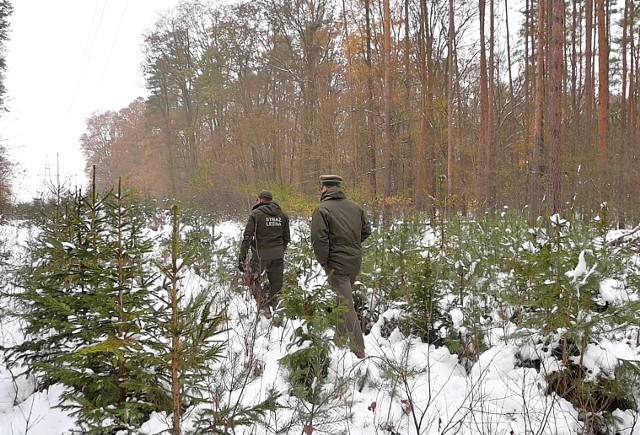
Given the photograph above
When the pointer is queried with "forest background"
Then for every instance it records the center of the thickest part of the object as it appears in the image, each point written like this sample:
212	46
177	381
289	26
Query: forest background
434	105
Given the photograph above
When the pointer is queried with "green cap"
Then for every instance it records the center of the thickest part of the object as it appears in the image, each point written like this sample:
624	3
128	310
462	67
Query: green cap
330	180
266	195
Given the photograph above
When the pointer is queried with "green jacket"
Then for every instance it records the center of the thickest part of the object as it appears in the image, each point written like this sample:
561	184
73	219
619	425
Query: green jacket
266	233
338	228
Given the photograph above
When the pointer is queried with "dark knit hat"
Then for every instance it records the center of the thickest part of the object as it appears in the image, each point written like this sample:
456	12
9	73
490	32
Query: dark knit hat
330	180
265	194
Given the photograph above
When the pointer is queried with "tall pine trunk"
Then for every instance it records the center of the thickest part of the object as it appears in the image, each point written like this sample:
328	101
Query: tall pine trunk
538	135
387	92
490	171
556	97
372	147
603	87
421	163
484	100
588	72
508	36
450	117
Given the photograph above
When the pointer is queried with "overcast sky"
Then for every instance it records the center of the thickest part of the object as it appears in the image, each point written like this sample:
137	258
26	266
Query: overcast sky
66	60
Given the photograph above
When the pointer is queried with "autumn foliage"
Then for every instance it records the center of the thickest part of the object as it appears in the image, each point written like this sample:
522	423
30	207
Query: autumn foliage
274	93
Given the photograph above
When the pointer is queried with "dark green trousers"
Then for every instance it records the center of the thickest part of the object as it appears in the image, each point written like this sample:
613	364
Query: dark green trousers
349	326
266	294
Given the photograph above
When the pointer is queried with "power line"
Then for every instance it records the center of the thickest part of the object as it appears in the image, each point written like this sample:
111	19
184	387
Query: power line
87	44
115	38
88	54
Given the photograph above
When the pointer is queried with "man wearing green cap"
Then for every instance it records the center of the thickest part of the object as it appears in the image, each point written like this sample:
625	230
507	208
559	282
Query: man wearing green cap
267	235
338	228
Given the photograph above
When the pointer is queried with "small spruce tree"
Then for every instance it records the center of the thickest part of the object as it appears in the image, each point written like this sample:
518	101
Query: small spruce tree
87	298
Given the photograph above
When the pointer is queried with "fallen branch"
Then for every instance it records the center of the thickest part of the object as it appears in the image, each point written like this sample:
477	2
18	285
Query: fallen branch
620	239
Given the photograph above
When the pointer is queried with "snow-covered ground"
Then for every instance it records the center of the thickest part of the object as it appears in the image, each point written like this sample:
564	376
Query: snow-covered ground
403	386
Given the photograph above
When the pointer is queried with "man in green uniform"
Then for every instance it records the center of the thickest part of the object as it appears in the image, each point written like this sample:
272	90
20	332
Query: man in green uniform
338	228
267	235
